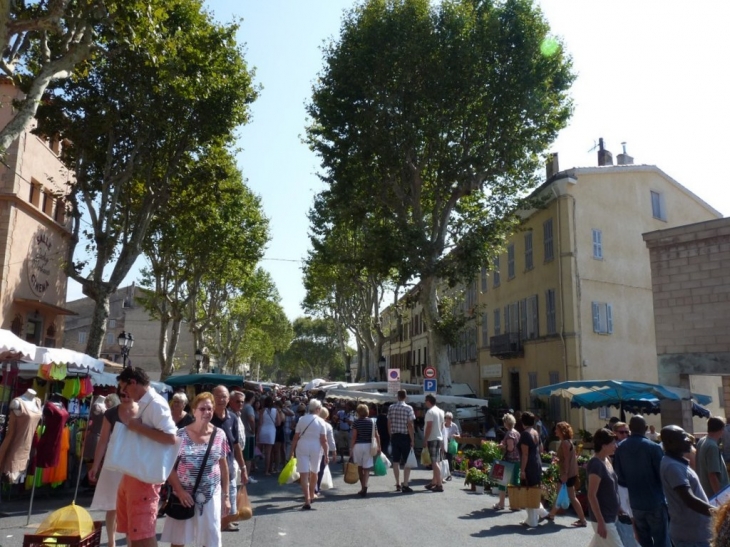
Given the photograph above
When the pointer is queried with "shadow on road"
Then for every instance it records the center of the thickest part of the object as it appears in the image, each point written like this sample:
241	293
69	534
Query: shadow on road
480	514
508	529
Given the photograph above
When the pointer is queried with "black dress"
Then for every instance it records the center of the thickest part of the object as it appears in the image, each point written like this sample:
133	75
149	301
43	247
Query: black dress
533	469
185	421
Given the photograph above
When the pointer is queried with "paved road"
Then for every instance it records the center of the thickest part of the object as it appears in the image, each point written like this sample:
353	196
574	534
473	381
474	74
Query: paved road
341	518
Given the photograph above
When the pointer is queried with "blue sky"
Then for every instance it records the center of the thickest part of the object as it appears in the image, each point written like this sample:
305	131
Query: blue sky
652	74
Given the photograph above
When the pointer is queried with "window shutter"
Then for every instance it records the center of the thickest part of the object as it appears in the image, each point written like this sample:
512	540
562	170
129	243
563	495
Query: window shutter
596	317
535	318
609	319
507	321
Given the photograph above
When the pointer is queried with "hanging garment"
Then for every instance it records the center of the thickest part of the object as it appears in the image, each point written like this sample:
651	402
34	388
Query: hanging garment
54	419
18	440
68	389
59	473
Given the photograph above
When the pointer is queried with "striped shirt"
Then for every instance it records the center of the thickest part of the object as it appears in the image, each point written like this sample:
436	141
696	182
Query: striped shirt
399	414
364	428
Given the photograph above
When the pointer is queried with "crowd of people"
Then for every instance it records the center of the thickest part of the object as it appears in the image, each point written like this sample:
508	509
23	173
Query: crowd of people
640	492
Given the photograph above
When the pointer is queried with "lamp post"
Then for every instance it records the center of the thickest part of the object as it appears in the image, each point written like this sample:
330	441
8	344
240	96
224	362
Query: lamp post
126	341
198	360
381	368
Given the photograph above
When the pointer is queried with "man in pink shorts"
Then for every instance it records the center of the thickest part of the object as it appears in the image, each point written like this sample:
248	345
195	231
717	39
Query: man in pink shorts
137	502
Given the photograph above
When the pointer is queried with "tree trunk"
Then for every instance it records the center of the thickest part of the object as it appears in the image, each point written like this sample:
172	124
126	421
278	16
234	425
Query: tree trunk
97	328
358	377
438	355
162	347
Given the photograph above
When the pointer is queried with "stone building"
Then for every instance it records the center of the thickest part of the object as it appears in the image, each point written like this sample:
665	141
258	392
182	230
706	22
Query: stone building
690	268
34	233
127	315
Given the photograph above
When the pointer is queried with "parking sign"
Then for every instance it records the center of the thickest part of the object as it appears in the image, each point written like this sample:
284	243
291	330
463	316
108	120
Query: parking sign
430	386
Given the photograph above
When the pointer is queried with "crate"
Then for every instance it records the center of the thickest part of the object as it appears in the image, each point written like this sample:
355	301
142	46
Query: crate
92	540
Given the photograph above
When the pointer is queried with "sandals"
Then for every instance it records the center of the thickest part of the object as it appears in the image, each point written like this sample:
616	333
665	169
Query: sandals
397	488
546	518
579	524
498	507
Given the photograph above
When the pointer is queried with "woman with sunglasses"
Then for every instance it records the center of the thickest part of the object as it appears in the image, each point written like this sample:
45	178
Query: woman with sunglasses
105	494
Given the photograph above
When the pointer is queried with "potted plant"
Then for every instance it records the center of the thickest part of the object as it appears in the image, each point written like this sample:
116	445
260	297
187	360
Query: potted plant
490	452
478	479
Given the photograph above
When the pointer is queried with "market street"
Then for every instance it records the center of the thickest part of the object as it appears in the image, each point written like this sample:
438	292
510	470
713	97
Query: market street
454	517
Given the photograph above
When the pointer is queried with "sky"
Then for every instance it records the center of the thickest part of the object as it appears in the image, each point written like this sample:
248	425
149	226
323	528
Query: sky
652	74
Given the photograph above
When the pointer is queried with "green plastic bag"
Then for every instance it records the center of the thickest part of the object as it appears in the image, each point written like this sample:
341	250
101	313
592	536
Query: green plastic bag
453	447
380	469
289	470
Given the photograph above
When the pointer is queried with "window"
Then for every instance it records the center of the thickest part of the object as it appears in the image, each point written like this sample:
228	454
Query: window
419	357
511	318
485	330
602	318
552	324
497	325
60	213
495	271
511	261
547	237
82	337
528	251
597	245
464	346
111	324
35	193
110	339
658	208
472	344
532	380
484	279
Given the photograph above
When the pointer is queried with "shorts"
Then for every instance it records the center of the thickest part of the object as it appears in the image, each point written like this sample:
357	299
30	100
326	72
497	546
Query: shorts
434	450
308	458
279	436
248	450
400	447
137	505
361	455
570	483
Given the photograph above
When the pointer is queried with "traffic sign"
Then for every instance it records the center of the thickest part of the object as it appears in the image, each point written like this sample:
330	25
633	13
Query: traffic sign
394	375
429	373
430	386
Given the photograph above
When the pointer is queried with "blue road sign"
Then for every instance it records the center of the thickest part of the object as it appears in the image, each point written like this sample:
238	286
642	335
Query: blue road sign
430	386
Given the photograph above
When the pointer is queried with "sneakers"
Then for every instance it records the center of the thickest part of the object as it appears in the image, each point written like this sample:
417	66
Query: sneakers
252	480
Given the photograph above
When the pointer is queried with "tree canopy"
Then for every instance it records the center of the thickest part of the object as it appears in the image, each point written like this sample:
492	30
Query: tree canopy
430	121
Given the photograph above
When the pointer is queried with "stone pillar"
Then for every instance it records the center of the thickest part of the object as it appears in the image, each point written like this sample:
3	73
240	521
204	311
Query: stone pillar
678	412
726	394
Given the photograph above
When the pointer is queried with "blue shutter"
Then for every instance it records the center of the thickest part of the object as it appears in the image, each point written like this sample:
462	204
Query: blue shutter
596	317
535	318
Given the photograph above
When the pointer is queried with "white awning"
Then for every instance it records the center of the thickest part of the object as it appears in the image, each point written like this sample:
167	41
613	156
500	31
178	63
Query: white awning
14	348
68	357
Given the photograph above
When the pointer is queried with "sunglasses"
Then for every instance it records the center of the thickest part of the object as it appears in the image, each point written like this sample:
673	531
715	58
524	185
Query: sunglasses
622	432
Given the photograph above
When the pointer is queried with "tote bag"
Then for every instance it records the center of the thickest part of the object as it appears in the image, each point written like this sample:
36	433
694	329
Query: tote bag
374	447
137	456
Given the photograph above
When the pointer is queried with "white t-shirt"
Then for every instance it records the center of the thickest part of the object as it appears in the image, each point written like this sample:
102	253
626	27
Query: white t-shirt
436	416
310	429
449	432
154	411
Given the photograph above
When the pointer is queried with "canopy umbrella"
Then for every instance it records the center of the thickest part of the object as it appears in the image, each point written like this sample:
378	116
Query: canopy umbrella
314	384
593	394
73	359
229	380
365	397
653	407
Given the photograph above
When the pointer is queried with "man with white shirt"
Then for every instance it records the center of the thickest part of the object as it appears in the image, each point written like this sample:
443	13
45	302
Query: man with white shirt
137	501
433	437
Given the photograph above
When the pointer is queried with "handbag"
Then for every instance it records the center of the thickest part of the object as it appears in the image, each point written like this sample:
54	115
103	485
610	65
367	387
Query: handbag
453	448
501	472
351	473
140	457
527	497
374	447
174	507
425	457
445	471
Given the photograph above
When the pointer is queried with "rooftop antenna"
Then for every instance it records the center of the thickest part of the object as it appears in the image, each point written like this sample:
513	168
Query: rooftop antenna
623	144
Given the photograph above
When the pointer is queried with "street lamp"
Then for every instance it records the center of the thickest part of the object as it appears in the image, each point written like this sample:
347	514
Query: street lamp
198	359
381	371
125	341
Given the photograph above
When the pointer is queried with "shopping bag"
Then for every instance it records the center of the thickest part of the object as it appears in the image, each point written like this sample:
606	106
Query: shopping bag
351	473
563	500
425	457
244	511
501	472
445	471
379	467
327	483
140	457
453	447
285	477
385	459
411	462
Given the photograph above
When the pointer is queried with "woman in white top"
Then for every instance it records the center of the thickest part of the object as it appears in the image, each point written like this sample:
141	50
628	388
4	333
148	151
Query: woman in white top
308	445
267	431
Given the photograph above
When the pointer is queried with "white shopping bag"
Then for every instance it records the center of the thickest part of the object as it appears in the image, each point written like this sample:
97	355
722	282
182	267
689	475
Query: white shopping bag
412	462
327	482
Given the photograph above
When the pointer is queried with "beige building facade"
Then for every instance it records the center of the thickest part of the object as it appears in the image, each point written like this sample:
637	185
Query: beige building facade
127	315
571	298
34	234
690	267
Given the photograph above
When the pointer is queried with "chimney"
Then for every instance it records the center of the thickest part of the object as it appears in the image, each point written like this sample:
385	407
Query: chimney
552	167
604	156
624	158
